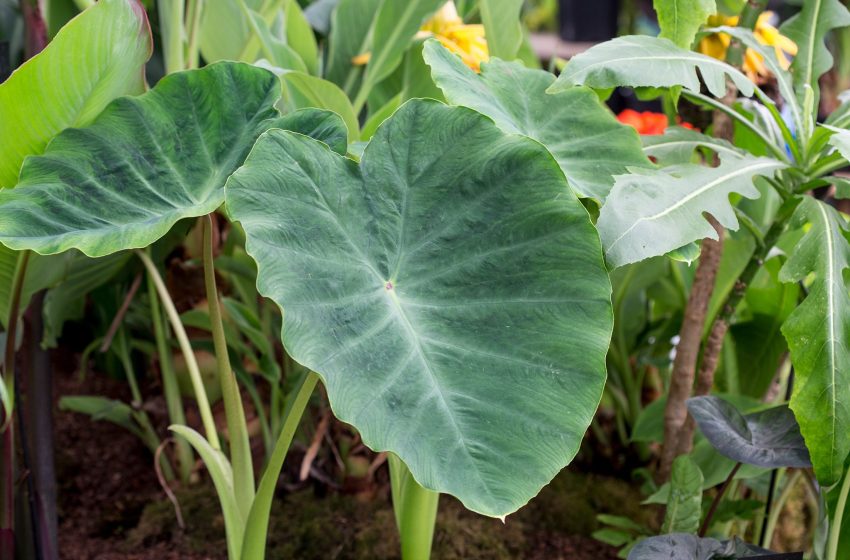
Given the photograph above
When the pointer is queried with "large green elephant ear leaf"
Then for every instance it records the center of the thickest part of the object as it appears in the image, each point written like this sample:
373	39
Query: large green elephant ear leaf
818	335
149	161
449	290
583	136
643	61
96	57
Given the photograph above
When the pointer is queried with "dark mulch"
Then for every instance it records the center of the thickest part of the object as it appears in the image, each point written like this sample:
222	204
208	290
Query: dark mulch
111	507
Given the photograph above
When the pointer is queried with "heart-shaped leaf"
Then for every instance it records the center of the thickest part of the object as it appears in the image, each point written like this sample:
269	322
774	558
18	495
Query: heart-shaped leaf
149	161
682	546
583	136
449	290
768	438
97	56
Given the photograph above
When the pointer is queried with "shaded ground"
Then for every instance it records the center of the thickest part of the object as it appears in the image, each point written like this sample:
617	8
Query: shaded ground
111	507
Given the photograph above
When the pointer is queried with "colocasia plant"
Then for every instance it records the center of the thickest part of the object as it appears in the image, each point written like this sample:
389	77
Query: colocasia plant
439	233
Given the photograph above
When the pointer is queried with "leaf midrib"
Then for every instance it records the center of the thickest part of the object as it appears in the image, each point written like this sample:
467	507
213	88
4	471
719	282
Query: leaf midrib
691	196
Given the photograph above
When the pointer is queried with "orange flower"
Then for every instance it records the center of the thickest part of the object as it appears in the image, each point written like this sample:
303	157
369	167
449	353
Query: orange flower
646	122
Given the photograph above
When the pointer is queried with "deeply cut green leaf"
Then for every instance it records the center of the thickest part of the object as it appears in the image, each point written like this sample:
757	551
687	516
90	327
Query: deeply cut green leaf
817	333
680	20
653	212
642	61
449	290
808	30
684	506
96	57
583	136
149	161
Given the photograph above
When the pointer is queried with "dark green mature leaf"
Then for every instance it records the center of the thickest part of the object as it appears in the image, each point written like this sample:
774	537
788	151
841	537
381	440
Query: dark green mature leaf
768	438
102	409
808	29
817	333
583	136
67	300
653	212
642	61
449	290
680	20
149	161
759	344
96	57
684	506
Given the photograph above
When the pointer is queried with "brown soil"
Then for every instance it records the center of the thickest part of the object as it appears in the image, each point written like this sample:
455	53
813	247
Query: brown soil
111	507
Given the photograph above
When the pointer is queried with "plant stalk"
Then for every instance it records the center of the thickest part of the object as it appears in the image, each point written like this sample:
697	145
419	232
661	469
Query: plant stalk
237	429
170	387
195	9
706	523
171	17
835	526
687	353
186	348
415	511
256	530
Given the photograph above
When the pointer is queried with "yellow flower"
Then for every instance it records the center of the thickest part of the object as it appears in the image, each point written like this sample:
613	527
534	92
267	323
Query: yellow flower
716	45
467	41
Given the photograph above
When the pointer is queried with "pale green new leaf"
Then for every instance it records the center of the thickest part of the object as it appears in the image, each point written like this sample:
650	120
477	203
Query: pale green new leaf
808	30
583	136
396	23
502	28
817	333
303	91
300	36
222	477
680	20
840	140
653	212
684	506
225	30
351	36
149	161
96	57
643	61
273	46
449	290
